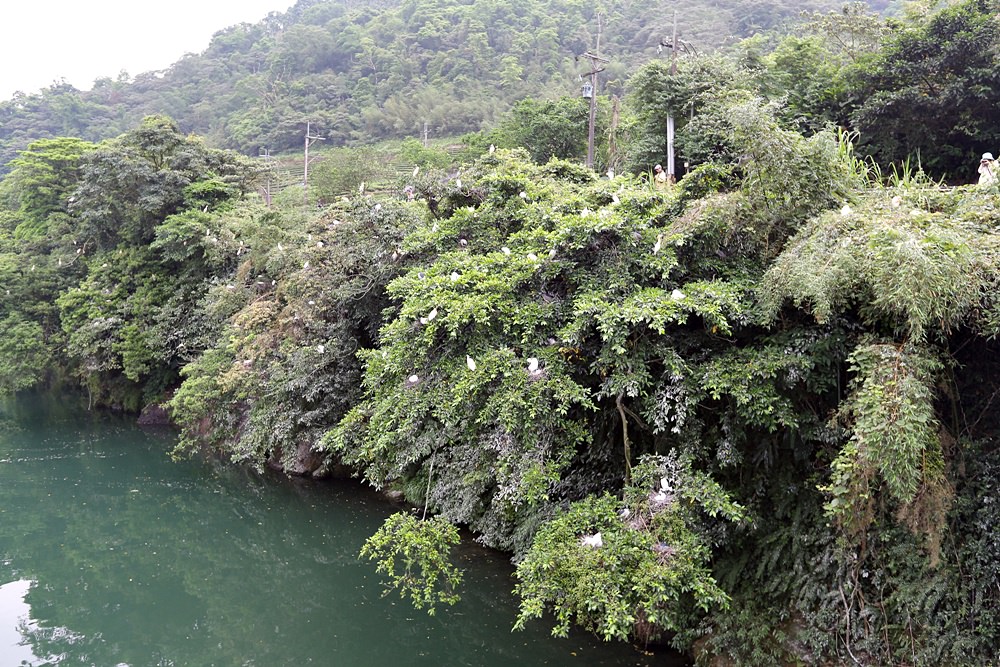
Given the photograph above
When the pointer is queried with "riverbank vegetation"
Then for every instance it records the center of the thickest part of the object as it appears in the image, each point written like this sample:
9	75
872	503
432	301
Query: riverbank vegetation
749	414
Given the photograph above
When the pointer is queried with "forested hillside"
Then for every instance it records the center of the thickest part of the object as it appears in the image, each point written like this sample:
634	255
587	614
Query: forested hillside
360	72
751	414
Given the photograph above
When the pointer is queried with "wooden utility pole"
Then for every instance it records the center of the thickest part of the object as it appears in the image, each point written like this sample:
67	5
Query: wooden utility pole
595	69
310	140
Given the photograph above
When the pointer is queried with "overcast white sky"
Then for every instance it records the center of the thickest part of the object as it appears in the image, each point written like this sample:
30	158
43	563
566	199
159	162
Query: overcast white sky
80	40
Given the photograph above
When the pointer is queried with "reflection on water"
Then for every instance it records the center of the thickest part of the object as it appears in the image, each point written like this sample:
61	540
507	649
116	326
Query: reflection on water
20	633
117	556
15	624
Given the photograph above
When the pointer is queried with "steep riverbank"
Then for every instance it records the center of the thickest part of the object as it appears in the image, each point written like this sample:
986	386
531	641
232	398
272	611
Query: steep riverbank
114	554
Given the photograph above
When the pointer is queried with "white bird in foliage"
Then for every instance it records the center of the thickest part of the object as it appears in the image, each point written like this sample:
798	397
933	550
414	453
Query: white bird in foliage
378	207
677	295
896	201
431	315
594	541
493	149
361	188
532	364
412	380
470	362
505	250
846	210
615	199
532	256
321	348
523	195
306	265
454	276
416	170
658	244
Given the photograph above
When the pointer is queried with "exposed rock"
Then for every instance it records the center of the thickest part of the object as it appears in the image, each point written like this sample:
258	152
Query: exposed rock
305	461
154	414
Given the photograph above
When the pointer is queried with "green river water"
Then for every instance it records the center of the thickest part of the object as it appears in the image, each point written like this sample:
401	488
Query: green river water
111	555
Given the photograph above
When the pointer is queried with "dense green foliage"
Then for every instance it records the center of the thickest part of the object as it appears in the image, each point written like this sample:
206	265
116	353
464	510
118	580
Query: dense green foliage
749	414
414	554
365	71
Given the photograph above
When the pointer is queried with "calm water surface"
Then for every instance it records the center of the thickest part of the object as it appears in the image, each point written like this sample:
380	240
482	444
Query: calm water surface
113	555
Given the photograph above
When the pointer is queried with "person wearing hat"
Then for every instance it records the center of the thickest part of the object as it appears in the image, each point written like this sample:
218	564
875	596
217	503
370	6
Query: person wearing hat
660	177
987	170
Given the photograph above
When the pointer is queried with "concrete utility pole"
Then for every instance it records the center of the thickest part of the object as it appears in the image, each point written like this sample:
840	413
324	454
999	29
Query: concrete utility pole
265	155
310	140
671	174
676	46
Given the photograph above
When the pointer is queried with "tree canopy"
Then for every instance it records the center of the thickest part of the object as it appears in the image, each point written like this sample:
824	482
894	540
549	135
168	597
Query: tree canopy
749	414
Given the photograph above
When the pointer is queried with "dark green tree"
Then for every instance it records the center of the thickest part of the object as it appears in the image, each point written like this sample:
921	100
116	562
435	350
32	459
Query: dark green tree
933	91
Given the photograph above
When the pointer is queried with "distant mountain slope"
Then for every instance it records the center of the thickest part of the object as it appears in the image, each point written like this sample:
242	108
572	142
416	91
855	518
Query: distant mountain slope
362	71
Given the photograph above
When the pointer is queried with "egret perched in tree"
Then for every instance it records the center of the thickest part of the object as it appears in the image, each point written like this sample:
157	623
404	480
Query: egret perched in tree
470	362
